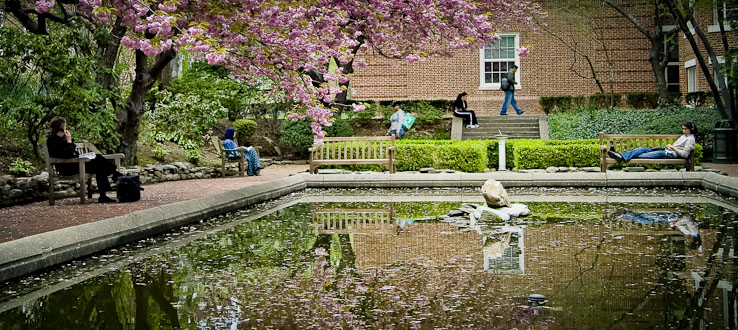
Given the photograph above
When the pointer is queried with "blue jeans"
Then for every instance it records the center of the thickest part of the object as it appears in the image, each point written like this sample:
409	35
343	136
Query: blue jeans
510	99
645	152
402	132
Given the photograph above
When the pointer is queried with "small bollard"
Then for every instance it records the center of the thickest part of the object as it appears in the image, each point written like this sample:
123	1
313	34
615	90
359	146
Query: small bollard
501	149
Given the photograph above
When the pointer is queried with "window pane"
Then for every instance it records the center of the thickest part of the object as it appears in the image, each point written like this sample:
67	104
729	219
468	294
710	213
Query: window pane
487	53
510	64
672	74
487	66
511	53
496	53
496	78
496	66
503	66
487	78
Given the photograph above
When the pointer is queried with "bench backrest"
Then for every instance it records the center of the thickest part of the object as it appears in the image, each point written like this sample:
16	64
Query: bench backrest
365	147
81	147
623	142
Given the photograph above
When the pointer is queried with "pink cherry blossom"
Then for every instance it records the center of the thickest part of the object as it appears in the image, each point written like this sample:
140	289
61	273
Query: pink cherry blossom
522	51
358	107
43	6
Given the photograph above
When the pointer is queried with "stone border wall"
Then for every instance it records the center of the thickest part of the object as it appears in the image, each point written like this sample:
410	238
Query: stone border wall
23	190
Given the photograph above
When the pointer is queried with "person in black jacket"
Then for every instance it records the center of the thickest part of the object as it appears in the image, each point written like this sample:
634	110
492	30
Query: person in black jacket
460	110
510	92
60	145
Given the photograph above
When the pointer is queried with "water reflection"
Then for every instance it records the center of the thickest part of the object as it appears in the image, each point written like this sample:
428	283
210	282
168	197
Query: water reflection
394	265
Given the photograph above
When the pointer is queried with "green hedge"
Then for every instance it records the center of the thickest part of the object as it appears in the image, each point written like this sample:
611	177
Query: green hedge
474	156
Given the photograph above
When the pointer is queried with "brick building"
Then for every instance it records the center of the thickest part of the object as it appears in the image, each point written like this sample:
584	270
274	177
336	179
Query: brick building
617	51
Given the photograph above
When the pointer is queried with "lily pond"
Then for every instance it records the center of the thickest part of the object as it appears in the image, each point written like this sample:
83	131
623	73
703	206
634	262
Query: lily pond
387	259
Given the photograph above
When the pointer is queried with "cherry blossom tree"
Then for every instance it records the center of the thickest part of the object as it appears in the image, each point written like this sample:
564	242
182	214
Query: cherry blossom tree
285	44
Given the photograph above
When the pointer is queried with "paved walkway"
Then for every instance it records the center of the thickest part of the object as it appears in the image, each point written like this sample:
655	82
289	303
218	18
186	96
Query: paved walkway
30	219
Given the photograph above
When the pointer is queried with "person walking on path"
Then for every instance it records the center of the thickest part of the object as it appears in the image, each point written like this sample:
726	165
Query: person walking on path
396	119
508	85
460	110
251	156
60	145
682	148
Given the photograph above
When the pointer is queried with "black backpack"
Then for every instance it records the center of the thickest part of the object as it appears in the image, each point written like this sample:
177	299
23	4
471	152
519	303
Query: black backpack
504	84
129	188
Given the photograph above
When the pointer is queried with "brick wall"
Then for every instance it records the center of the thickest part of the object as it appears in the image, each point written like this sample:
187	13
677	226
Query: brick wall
618	51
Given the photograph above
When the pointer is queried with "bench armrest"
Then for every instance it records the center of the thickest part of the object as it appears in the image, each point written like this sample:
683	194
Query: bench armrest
114	156
603	147
68	160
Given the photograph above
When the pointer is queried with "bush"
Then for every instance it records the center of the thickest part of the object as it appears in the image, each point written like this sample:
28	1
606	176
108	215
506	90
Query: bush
667	120
696	99
297	134
643	100
340	127
21	167
425	113
245	129
539	154
604	100
466	156
555	103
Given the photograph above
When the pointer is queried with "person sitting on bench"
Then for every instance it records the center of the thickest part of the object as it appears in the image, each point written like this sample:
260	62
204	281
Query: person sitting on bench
60	145
682	148
252	157
460	110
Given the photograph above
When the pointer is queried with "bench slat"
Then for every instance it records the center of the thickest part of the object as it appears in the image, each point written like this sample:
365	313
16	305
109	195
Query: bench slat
351	161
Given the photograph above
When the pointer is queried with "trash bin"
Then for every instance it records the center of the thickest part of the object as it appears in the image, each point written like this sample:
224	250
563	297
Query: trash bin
725	142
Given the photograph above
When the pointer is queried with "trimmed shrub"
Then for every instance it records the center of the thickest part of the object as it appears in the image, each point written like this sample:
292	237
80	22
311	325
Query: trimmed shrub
696	99
555	103
412	156
465	156
537	154
604	100
643	100
245	129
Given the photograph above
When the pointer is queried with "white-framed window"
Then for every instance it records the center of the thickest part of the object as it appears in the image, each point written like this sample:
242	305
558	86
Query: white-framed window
496	59
691	79
723	9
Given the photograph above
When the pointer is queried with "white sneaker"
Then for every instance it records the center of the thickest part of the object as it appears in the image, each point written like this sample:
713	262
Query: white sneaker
476	126
470	126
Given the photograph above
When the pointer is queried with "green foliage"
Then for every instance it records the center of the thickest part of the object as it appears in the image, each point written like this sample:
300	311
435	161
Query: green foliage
643	100
245	129
193	156
22	167
339	128
160	153
555	103
588	124
297	134
696	99
604	100
538	154
465	156
425	113
38	82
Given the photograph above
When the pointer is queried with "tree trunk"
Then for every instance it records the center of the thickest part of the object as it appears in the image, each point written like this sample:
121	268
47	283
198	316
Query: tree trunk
659	72
129	116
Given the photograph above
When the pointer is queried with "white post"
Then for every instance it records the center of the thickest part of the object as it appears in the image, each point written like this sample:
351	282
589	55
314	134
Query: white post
501	149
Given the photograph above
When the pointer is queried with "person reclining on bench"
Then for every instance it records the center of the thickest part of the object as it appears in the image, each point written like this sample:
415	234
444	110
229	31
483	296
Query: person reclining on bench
682	148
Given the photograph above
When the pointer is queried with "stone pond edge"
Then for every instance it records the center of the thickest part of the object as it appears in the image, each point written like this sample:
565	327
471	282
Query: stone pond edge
33	253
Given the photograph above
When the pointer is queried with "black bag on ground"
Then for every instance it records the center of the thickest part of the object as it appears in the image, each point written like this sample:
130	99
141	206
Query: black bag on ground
129	188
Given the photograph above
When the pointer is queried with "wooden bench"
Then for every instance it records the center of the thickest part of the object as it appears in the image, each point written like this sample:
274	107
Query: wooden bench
223	152
628	142
356	150
85	181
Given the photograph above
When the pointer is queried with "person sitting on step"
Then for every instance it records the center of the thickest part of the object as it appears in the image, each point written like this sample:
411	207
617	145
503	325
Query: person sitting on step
460	110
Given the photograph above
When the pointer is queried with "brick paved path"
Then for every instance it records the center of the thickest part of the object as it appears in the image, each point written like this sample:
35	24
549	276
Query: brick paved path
30	219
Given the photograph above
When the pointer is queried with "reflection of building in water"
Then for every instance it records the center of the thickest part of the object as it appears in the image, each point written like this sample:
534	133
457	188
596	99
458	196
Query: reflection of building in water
504	251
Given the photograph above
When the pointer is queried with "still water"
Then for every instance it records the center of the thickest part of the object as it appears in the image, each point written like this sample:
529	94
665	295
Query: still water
398	265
